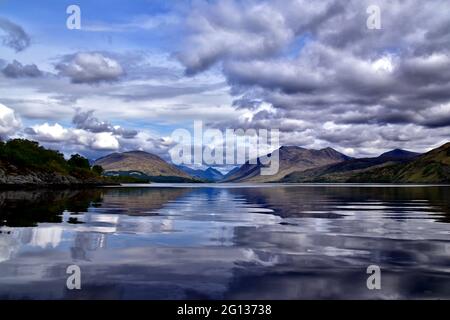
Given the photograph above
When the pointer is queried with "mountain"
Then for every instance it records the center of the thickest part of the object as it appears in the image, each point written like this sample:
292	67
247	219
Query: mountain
210	174
140	163
342	171
399	154
431	167
291	159
396	166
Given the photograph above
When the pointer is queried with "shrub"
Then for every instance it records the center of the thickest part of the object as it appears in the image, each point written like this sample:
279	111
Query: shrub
98	170
77	161
26	154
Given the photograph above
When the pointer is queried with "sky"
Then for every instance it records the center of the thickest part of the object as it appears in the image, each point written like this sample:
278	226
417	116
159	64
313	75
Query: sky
138	70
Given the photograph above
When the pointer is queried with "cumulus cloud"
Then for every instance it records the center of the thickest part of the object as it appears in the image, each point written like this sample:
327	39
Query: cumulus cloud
13	35
9	122
18	70
55	133
50	133
90	134
316	62
90	67
104	141
87	121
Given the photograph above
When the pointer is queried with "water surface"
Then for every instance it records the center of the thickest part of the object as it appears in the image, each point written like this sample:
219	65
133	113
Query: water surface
226	242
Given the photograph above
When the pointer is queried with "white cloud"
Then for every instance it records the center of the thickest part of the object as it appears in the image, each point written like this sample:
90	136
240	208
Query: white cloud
105	141
384	64
9	123
58	134
51	133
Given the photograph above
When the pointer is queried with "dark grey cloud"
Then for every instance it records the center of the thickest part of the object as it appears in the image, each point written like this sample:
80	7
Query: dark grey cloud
327	76
87	121
232	30
17	70
90	68
13	35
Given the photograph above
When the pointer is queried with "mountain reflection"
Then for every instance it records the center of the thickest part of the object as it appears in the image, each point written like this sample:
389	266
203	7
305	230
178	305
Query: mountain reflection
226	242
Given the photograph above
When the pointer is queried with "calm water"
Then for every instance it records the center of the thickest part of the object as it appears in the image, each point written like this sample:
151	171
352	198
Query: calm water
226	242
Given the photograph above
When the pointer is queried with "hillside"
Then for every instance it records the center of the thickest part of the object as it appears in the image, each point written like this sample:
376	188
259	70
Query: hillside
24	162
343	171
143	163
431	167
292	159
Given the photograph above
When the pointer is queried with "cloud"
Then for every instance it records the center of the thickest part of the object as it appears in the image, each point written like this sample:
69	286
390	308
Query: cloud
92	136
87	121
13	35
316	62
102	141
90	67
9	122
96	144
230	30
18	70
142	22
50	133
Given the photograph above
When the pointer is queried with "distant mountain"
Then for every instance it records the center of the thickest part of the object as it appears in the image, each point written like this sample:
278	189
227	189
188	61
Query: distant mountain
291	159
431	167
230	173
343	171
208	175
143	164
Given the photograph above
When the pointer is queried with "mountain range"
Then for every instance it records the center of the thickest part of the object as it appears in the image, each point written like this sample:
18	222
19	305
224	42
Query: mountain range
297	165
291	159
343	171
24	162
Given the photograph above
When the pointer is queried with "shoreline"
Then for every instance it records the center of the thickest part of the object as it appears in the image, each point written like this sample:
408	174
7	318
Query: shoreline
30	186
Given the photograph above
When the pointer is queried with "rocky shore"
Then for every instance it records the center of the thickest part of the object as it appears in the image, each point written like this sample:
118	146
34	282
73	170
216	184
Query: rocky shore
47	179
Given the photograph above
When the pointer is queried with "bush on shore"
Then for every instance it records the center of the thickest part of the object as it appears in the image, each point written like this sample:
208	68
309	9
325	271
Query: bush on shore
29	155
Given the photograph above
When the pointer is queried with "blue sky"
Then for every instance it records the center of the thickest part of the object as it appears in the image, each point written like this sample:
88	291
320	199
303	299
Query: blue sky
311	69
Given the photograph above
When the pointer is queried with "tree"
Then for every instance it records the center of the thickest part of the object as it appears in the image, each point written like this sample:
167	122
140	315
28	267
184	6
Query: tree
80	162
25	153
2	149
98	170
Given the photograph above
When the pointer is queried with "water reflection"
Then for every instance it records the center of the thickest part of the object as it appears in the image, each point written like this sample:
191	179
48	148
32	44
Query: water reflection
226	243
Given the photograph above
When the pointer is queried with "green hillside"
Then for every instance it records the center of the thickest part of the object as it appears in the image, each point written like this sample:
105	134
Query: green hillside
431	167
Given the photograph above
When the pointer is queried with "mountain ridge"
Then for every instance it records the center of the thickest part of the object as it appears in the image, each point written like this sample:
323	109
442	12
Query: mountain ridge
395	166
291	158
147	163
